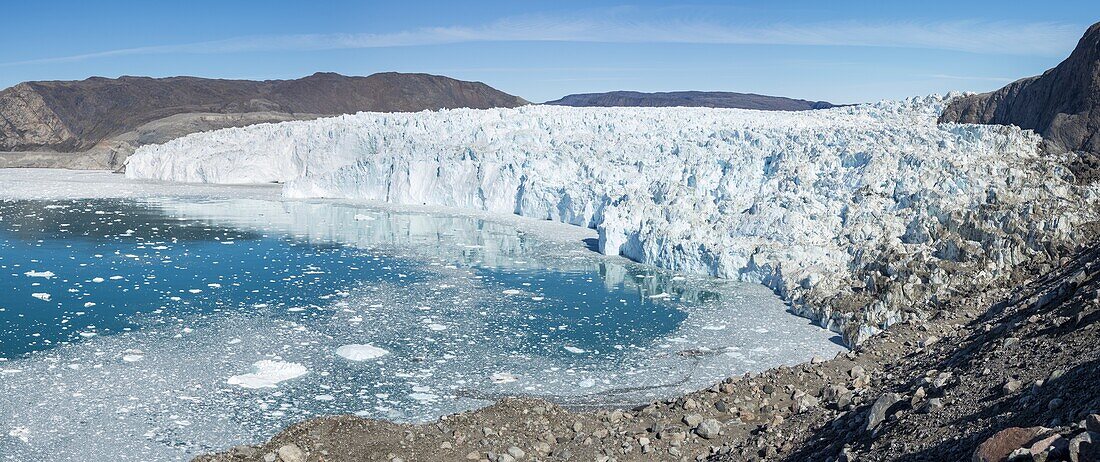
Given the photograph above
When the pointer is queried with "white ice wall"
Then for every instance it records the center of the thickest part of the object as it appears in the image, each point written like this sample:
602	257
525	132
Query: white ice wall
801	201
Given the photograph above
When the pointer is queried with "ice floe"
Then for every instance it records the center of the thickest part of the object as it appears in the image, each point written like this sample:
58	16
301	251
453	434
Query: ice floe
268	373
360	352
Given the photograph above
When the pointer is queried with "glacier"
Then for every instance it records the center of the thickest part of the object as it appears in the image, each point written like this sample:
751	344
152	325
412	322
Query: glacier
859	216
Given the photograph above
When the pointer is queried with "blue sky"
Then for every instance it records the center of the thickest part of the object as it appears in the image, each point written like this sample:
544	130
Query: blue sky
540	50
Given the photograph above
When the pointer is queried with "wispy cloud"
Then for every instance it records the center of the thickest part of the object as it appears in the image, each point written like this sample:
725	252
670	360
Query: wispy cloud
1000	37
971	78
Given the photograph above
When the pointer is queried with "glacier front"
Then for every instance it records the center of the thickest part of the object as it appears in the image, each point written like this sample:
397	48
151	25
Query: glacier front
859	216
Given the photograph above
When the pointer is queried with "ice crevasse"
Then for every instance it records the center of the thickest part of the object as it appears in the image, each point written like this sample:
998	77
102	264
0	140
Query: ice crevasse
870	213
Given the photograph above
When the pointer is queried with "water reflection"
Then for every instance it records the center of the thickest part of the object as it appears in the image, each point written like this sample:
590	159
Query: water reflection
460	240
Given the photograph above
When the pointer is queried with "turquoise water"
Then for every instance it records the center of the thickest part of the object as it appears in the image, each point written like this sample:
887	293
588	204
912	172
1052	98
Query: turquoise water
159	329
112	260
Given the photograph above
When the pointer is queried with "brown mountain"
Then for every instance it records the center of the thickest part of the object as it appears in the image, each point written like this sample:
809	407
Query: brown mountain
97	122
1063	104
689	99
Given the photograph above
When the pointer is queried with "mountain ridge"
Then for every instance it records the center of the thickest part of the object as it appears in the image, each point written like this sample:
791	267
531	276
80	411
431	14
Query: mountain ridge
715	99
104	116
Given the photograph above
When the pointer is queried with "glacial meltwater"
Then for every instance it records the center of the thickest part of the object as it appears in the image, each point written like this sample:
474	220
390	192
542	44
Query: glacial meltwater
163	327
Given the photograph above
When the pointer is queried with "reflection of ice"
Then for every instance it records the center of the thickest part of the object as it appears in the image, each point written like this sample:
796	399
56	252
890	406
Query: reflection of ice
455	239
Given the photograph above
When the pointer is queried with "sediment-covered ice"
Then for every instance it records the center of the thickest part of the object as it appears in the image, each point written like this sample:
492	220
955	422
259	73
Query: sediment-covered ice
873	212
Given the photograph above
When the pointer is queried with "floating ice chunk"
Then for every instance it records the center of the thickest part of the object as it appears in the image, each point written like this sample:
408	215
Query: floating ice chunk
41	296
512	292
587	383
436	327
502	377
21	433
39	274
98	280
360	352
132	356
268	373
714	327
195	291
89	304
573	349
423	397
324	397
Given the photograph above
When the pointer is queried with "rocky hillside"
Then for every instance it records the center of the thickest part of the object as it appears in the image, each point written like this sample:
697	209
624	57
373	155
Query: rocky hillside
1063	104
689	99
102	120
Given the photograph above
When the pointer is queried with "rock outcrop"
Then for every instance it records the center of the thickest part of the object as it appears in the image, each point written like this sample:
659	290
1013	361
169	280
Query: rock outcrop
106	119
689	99
1062	105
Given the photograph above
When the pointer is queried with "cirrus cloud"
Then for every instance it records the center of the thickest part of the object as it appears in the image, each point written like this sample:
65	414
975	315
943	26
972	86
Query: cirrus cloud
974	36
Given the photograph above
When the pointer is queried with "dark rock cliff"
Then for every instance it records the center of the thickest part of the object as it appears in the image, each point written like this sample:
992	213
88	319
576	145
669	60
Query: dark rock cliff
1062	105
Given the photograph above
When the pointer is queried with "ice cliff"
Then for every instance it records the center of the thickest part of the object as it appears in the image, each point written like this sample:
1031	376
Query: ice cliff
860	216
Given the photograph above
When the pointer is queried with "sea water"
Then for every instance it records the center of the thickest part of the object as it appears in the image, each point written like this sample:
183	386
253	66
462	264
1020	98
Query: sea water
159	329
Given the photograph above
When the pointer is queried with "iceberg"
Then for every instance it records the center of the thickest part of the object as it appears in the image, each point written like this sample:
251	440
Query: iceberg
360	352
833	209
268	373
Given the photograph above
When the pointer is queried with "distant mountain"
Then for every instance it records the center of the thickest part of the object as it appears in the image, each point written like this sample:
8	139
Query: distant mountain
689	99
97	122
1063	104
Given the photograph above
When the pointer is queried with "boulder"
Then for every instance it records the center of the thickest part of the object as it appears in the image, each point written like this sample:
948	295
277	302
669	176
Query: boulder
882	409
998	447
1085	447
709	429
